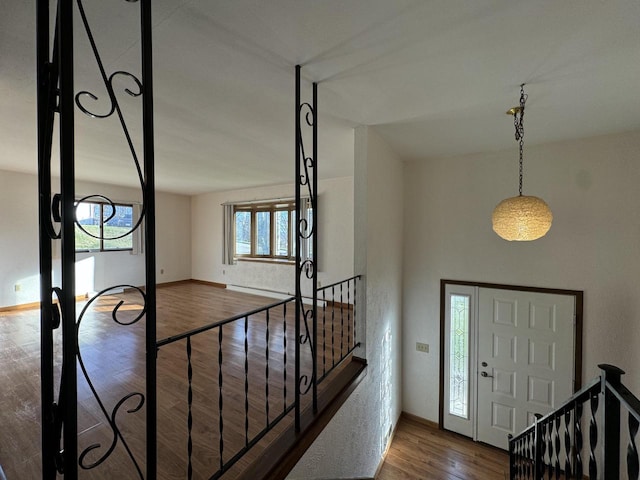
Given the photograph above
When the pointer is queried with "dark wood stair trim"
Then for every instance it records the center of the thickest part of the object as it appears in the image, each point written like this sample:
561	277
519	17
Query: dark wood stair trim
279	458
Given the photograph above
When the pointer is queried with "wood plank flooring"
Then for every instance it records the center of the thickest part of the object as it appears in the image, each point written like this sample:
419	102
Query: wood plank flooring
113	356
423	452
114	359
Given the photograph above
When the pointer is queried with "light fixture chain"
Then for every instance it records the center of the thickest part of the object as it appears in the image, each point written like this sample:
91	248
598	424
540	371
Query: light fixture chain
520	181
518	120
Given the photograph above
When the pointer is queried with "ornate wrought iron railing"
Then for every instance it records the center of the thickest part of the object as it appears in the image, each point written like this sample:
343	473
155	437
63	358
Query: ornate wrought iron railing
338	324
57	99
57	103
220	348
555	446
241	376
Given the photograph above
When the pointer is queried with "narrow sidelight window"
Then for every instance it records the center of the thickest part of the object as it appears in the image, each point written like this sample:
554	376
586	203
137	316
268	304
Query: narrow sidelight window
459	357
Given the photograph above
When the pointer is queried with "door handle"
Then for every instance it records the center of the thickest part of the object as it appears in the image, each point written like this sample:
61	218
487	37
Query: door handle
485	375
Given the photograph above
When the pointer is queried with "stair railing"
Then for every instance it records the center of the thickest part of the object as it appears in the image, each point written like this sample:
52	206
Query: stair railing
226	385
554	446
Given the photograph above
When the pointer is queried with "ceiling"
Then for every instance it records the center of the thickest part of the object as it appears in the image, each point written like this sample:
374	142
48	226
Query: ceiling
433	77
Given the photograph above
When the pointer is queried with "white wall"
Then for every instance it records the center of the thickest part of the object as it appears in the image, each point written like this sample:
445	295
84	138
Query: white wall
335	204
19	262
19	241
591	186
353	443
173	237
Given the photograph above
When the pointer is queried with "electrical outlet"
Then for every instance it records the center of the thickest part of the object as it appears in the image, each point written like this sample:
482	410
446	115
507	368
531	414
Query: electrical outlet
162	271
17	287
422	347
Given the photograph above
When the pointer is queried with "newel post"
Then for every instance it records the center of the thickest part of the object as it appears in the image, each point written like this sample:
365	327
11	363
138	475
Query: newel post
611	421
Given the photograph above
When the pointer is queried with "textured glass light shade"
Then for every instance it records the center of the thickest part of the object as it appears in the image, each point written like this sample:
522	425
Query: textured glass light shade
522	218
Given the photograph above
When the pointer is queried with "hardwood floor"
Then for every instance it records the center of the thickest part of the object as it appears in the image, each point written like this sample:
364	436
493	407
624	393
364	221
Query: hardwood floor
422	452
113	355
114	359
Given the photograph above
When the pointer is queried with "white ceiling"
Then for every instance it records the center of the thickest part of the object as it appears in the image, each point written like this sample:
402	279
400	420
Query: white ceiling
434	78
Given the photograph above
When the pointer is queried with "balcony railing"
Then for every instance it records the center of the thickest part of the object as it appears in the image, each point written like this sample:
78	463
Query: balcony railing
555	446
238	377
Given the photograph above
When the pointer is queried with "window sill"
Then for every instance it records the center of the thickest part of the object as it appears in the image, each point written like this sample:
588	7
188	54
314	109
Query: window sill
266	260
104	251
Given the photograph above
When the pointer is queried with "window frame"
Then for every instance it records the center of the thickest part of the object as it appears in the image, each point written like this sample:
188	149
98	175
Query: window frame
272	207
101	238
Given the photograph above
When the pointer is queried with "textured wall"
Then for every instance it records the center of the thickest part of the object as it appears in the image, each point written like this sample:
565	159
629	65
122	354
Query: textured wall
335	241
591	186
353	443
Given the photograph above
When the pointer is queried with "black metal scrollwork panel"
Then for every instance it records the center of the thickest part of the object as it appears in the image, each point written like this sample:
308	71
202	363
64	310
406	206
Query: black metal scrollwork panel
57	101
308	163
306	231
133	401
137	398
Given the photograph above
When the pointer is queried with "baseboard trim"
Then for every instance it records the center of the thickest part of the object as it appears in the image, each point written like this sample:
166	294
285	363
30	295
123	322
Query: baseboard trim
34	305
423	421
205	282
22	306
172	284
79	298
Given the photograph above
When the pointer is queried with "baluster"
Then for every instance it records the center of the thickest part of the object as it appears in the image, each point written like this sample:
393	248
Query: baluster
523	457
567	444
324	336
533	454
341	321
520	458
189	414
266	371
577	421
513	464
545	450
542	445
284	349
511	456
522	467
220	421
557	445
516	459
593	436
348	315
333	323
355	284
527	454
519	471
246	381
632	449
549	447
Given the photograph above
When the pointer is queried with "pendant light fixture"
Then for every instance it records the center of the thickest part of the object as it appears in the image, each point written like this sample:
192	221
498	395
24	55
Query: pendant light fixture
521	218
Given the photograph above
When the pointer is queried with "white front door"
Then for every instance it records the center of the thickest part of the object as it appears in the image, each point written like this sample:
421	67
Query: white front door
525	359
508	354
